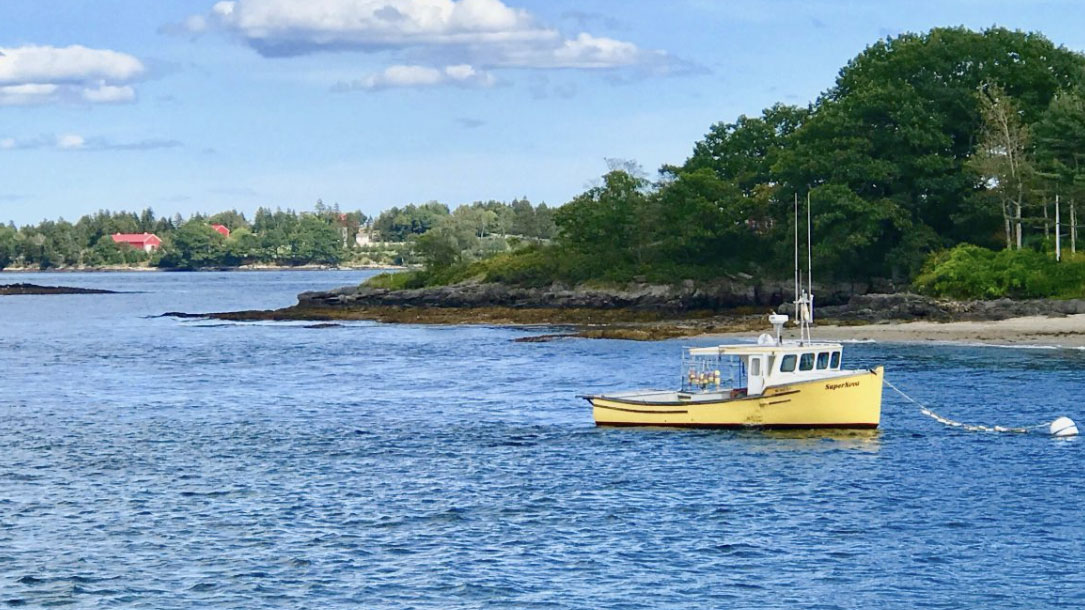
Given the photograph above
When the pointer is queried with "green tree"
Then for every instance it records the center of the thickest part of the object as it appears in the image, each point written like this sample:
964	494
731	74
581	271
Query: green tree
147	222
853	236
1059	141
231	219
439	247
706	220
7	245
744	152
316	241
106	252
478	219
397	224
608	221
193	246
241	247
1001	159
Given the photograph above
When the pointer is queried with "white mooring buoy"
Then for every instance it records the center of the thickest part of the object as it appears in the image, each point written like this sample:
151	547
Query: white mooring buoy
1063	426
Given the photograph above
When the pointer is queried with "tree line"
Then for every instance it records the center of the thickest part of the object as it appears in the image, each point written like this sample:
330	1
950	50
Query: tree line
469	233
517	218
282	237
324	235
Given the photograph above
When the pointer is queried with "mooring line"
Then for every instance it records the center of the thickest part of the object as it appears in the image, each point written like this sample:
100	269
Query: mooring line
956	424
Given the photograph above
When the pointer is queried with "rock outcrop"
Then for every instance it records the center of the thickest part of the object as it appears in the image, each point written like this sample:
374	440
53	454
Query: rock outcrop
717	296
842	302
907	306
36	289
635	311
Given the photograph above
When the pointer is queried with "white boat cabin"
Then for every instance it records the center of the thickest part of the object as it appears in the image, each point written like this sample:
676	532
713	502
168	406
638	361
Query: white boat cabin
752	368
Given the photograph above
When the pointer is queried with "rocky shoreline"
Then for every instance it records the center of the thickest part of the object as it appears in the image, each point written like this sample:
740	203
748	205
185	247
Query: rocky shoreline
725	295
839	302
907	307
636	311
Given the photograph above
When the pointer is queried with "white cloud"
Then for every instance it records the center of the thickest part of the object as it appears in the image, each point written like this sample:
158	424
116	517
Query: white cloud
467	74
585	51
24	95
288	27
488	33
70	141
42	75
74	64
74	141
400	76
104	94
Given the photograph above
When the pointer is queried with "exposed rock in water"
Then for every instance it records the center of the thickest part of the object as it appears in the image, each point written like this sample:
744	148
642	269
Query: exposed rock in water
182	315
545	338
13	289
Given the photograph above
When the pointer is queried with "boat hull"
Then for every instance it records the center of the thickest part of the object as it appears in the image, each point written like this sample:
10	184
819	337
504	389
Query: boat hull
845	401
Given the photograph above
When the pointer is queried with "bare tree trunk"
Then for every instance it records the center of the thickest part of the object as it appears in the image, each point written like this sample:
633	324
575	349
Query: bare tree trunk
1073	228
1047	233
1004	159
1017	220
1006	216
1058	230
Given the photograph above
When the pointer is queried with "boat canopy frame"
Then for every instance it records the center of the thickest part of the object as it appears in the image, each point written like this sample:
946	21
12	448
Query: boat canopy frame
711	371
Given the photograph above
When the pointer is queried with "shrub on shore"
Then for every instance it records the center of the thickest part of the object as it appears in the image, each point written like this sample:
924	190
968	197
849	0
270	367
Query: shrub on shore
972	272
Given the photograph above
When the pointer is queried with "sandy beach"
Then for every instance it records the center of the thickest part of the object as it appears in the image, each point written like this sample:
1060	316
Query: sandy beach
1066	331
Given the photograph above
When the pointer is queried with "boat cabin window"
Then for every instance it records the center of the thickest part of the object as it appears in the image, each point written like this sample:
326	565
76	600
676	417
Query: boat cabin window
835	361
823	360
806	363
787	365
755	367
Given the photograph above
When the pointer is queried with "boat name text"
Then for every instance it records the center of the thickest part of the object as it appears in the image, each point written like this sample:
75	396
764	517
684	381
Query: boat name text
843	384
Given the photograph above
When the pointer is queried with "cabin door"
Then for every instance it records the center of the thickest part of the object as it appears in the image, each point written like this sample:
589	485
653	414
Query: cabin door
757	373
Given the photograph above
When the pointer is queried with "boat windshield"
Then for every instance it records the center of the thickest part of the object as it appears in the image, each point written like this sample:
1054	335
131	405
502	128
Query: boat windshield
712	373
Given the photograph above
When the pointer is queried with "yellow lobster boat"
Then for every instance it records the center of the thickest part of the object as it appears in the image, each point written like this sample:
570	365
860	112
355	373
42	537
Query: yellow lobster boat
771	384
785	388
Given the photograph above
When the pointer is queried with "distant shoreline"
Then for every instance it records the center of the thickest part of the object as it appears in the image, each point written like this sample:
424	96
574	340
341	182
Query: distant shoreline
21	270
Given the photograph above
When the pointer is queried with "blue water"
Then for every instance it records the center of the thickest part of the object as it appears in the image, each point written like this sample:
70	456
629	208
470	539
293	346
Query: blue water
162	463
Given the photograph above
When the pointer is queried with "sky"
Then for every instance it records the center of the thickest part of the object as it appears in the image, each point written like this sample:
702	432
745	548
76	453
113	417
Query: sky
205	105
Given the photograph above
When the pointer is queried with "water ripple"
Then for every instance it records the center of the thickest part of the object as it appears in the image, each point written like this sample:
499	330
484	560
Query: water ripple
151	463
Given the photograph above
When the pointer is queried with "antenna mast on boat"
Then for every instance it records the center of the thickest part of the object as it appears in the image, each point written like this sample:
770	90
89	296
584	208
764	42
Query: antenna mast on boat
804	299
796	254
809	264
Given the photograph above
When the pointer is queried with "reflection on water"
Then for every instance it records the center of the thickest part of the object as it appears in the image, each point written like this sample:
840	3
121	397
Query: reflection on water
828	440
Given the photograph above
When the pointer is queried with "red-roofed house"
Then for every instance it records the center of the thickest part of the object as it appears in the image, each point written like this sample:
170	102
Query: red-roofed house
148	242
221	229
